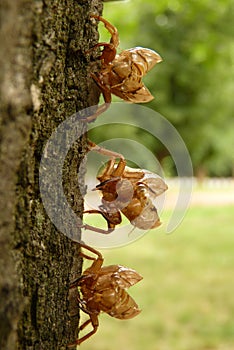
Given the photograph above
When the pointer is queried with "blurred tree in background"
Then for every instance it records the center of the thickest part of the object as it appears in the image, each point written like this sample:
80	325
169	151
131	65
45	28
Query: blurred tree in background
193	86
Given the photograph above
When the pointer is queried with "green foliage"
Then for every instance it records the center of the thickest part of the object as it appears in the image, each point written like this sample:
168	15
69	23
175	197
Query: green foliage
193	86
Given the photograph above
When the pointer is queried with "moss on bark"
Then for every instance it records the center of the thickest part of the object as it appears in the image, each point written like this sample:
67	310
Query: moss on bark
45	79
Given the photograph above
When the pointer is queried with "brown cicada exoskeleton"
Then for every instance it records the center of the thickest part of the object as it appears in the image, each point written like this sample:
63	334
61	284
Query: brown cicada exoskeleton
121	74
103	289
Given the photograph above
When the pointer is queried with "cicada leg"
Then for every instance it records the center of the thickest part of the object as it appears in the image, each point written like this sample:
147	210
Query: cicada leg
111	226
109	51
95	229
93	319
94	268
107	98
93	147
97	262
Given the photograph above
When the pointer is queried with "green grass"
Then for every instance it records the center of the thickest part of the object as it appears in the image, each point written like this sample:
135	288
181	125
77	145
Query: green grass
187	294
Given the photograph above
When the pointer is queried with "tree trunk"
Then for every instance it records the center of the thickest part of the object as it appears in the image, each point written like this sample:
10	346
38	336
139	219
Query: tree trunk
45	78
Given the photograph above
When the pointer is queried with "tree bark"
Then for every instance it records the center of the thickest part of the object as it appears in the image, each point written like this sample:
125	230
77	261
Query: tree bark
45	78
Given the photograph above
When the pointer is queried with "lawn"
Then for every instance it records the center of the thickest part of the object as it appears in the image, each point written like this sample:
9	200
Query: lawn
187	294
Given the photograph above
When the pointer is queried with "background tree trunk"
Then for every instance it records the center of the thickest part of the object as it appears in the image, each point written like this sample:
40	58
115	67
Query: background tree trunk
44	78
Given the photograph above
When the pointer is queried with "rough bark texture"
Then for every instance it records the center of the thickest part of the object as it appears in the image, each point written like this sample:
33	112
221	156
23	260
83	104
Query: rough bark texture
45	78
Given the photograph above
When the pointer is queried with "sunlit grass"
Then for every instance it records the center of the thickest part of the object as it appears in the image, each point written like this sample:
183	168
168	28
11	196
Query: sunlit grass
186	295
